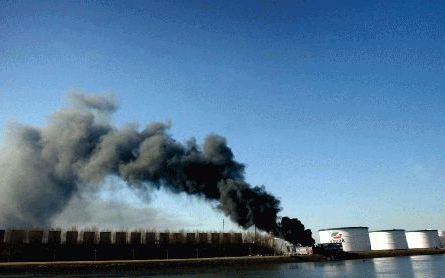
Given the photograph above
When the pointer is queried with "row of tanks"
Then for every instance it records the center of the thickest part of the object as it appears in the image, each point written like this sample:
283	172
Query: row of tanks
117	237
359	239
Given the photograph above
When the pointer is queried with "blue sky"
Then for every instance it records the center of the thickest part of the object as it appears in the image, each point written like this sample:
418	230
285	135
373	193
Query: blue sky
337	107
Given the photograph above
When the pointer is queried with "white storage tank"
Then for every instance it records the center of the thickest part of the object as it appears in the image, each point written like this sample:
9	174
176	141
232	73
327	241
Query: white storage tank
388	239
442	238
354	239
423	239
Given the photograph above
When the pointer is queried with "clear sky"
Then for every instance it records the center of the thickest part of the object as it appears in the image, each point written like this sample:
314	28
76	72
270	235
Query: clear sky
336	106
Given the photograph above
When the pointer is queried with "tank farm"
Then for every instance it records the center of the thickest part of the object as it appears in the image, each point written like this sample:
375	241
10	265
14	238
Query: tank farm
92	245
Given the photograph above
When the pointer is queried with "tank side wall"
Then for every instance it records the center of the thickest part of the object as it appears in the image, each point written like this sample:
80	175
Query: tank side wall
390	240
442	238
423	239
353	240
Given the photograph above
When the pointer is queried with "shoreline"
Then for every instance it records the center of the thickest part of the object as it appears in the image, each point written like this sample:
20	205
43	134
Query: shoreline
120	265
392	253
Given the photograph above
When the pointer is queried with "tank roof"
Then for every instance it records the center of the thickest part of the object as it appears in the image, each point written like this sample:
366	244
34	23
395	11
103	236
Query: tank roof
391	230
425	230
342	228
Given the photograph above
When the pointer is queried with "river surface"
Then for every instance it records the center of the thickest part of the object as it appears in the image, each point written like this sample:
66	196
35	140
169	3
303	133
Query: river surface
415	266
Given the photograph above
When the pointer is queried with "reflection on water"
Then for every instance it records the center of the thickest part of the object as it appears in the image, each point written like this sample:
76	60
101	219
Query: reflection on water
428	266
416	266
353	268
389	267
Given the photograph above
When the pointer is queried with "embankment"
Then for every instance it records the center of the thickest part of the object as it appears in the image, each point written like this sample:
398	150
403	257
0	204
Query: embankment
124	265
79	266
390	253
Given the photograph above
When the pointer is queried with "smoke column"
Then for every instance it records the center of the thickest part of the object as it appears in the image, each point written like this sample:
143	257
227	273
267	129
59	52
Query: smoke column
42	168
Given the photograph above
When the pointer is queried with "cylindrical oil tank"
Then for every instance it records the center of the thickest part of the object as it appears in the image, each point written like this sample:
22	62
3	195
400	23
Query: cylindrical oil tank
120	238
135	237
215	238
150	238
16	236
203	238
164	238
237	238
89	237
388	239
353	239
54	237
104	238
441	237
71	237
191	238
423	239
225	238
35	236
178	238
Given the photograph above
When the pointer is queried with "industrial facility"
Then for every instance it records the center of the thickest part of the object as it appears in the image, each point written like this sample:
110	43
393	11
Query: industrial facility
423	239
67	245
388	239
353	239
52	245
358	239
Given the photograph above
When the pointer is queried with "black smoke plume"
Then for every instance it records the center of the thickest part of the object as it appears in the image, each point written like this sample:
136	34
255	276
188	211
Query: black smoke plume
42	168
292	230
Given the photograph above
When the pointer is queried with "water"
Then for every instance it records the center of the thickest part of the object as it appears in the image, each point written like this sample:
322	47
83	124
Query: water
415	266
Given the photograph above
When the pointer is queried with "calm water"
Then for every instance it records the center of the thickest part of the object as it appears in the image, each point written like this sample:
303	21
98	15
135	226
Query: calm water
416	266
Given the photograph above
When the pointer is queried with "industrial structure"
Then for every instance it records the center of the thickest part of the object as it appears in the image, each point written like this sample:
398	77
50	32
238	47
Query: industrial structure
354	239
282	246
423	239
388	239
66	245
119	237
52	245
442	238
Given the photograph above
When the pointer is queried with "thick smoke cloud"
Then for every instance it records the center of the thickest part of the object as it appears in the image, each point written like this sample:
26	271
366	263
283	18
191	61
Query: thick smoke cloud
41	169
100	103
82	212
292	230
